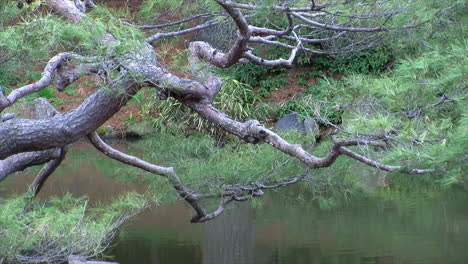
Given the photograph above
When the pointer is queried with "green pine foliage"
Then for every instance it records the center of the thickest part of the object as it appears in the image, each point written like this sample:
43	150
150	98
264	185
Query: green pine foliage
49	232
29	50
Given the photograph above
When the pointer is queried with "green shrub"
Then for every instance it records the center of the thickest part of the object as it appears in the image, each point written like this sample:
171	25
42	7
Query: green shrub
320	102
370	61
270	84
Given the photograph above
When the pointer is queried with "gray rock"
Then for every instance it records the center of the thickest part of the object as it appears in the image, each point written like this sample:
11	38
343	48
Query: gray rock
142	128
289	122
40	108
311	127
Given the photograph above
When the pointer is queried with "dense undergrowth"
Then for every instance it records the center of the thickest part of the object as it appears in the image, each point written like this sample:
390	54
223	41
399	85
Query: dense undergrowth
413	84
412	87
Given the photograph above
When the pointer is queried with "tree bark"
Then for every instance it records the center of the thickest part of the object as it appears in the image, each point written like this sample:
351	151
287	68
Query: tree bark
24	135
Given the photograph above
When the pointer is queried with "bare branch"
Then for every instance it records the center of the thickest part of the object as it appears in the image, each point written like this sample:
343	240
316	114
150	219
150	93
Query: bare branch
67	9
172	23
162	35
349	29
268	41
381	166
252	132
25	160
224	60
337	28
46	79
277	62
314	41
168	172
267	31
358	16
279	8
45	172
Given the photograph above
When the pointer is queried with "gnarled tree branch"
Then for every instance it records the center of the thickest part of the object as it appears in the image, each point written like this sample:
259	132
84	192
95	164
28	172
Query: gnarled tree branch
19	137
45	80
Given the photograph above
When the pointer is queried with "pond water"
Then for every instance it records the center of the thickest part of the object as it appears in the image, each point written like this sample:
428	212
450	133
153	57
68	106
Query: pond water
277	231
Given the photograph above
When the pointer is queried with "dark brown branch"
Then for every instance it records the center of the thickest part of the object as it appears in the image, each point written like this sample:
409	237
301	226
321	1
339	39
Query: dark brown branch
221	207
416	113
45	172
63	129
25	160
7	58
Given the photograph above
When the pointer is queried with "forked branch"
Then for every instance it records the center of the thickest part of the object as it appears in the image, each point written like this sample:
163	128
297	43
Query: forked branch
252	132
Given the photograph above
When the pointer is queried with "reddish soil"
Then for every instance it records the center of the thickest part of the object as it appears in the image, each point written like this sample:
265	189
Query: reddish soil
133	5
291	90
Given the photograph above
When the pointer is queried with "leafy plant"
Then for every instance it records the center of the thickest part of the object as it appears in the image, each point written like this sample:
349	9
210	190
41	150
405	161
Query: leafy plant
270	84
370	61
71	90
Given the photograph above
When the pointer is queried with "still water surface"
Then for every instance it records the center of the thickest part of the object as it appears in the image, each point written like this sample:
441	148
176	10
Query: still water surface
279	231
